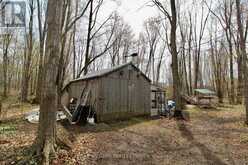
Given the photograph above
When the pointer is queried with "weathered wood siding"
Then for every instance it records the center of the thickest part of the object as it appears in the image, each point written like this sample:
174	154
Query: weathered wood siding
75	89
124	95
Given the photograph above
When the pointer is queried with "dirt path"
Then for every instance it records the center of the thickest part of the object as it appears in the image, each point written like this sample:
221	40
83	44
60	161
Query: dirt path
210	137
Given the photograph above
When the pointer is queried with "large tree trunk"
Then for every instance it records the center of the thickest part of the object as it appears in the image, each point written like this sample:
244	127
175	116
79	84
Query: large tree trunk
176	85
244	55
45	140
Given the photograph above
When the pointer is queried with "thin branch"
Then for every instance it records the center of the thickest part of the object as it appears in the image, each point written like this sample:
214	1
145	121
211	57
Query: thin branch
162	9
78	17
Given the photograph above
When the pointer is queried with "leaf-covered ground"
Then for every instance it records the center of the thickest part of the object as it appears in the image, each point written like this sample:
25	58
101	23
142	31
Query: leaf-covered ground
215	136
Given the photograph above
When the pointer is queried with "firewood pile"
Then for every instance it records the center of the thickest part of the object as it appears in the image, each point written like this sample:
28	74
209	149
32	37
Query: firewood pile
190	99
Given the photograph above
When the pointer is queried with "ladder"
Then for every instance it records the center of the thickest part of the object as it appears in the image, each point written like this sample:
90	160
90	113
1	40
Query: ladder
85	97
68	114
83	101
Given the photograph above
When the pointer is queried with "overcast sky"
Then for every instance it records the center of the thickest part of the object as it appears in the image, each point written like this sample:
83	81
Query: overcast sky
134	12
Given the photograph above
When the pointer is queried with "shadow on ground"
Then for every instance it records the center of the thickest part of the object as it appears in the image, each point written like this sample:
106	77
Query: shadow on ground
209	155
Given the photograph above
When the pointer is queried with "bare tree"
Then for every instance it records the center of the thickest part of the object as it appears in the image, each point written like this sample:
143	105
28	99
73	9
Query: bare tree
198	43
162	51
244	55
173	46
74	41
189	53
183	34
216	56
42	33
152	34
105	46
28	55
93	15
6	44
124	38
88	37
225	19
45	141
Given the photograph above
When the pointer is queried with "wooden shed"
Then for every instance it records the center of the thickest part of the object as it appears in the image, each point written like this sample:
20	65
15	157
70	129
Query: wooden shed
117	93
205	98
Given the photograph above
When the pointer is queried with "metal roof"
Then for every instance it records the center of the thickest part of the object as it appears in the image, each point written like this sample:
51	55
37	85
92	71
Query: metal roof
100	73
104	72
205	91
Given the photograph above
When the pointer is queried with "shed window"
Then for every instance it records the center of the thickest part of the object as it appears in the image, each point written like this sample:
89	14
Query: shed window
154	100
154	104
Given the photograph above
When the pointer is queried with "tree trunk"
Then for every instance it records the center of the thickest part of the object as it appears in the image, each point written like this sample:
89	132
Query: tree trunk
244	55
25	81
6	44
185	73
27	56
176	86
5	66
39	81
45	140
232	101
159	65
42	33
189	53
240	77
87	58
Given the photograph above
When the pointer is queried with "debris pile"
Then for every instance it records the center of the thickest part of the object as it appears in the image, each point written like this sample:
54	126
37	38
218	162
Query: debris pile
33	117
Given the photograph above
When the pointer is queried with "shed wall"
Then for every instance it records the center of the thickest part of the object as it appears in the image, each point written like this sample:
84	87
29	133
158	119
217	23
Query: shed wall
76	88
122	94
125	94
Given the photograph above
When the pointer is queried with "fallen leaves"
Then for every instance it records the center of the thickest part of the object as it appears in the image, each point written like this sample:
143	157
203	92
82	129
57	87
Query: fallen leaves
139	140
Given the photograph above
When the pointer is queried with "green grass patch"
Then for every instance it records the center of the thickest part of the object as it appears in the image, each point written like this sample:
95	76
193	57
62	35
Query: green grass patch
6	129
